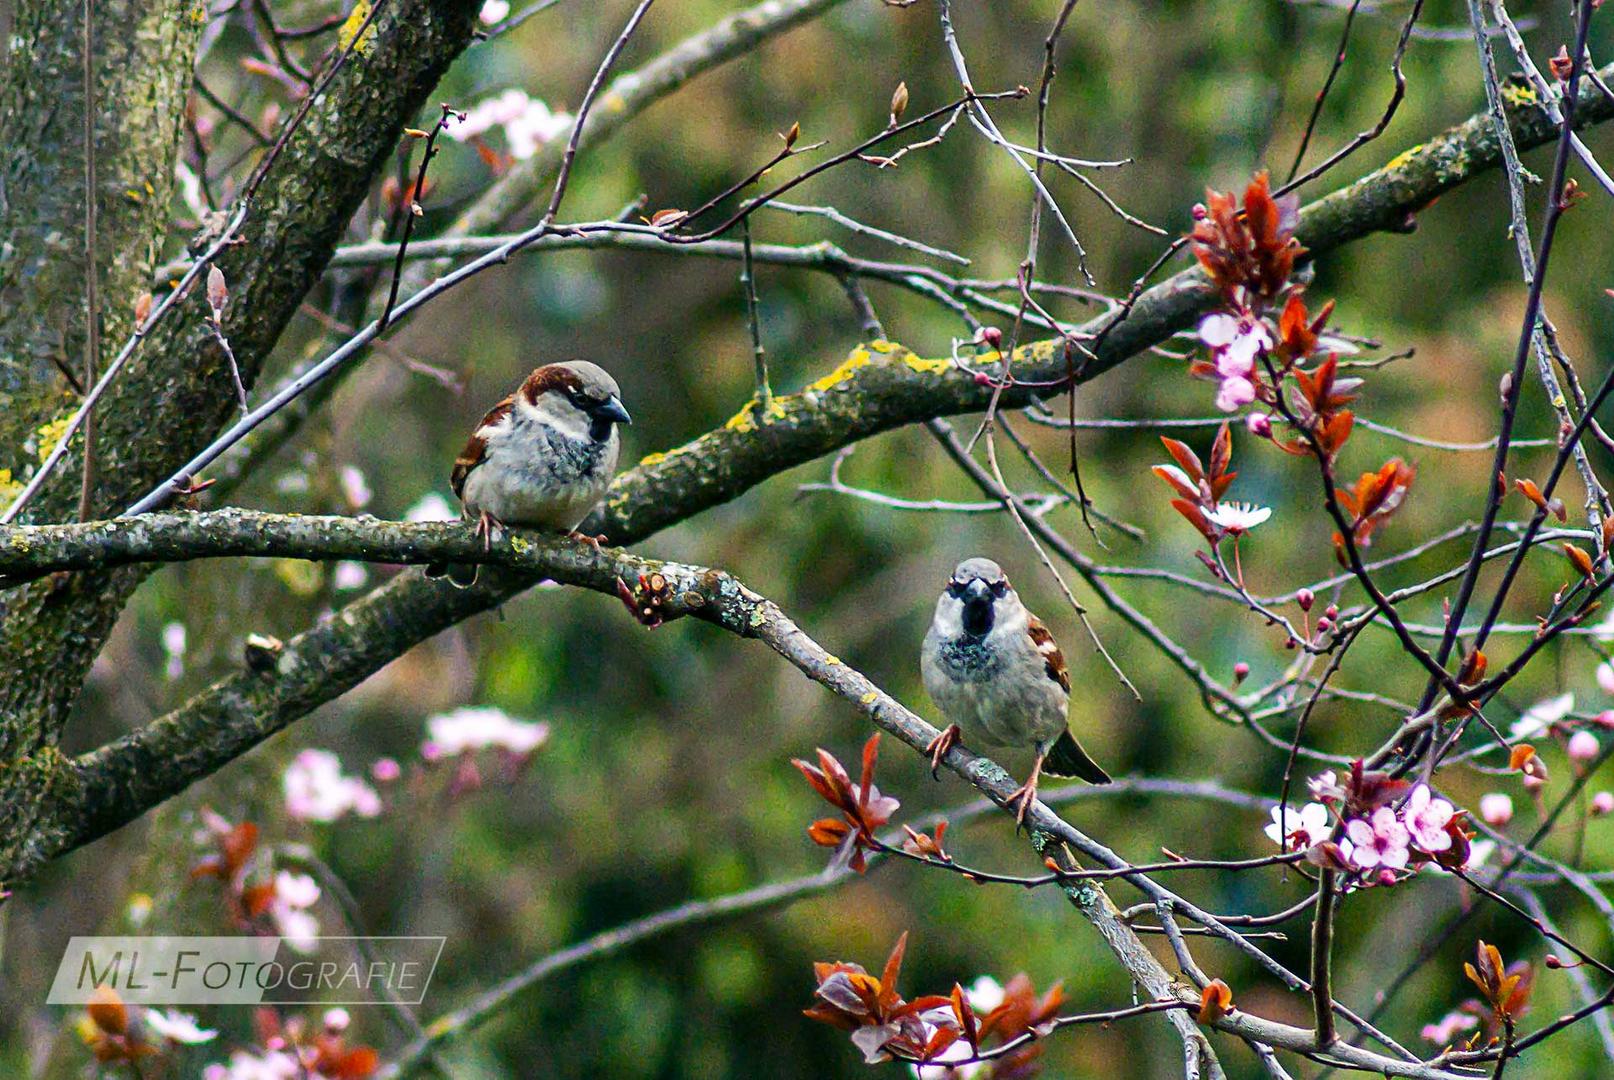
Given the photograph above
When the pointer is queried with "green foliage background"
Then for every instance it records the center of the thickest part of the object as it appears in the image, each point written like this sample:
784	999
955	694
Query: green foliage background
668	774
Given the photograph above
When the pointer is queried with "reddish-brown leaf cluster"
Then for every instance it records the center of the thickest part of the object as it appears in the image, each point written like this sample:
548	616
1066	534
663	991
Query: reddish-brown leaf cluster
1215	1002
927	844
235	845
945	1031
1022	1012
1529	490
1370	503
109	1033
882	1024
863	809
1505	990
1319	409
1199	489
1248	249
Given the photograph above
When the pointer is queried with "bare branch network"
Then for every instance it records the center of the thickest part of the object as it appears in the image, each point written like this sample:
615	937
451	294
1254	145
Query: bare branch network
150	419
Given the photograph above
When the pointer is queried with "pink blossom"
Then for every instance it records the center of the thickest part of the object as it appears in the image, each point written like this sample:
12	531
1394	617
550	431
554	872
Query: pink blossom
1603	803
288	908
316	789
1449	1027
1299	829
1426	818
1605	677
1379	841
385	770
271	1065
1582	746
1496	808
1325	786
1235	341
1259	425
1234	393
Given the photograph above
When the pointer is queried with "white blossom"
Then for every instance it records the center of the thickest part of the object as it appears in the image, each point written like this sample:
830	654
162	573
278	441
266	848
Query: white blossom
476	728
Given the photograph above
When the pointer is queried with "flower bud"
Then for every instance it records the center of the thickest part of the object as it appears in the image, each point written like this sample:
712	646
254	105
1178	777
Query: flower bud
1604	719
1496	808
1552	962
1241	671
1305	598
1323	624
1582	746
1259	425
385	770
1332	611
1605	677
1603	804
990	336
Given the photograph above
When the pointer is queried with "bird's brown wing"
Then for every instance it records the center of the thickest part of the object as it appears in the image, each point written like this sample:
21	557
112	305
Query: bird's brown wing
1053	660
476	447
1066	757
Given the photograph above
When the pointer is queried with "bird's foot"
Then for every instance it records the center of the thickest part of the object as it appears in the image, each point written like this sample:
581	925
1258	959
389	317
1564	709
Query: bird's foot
939	746
584	538
486	523
1021	799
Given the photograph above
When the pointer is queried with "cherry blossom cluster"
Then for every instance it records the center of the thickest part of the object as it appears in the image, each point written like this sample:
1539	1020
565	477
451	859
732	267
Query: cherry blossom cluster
259	898
1374	827
295	1050
1263	330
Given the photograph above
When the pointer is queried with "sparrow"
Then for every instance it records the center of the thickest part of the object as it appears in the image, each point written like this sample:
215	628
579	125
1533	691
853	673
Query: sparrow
542	457
996	674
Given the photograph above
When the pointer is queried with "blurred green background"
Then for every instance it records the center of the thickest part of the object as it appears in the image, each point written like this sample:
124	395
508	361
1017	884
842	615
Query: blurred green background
667	775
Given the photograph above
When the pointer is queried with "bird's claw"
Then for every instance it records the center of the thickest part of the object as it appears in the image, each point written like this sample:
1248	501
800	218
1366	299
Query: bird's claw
486	523
584	538
1021	799
939	746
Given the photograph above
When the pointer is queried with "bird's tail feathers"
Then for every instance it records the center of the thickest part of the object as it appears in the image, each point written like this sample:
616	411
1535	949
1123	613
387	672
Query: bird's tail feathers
1067	758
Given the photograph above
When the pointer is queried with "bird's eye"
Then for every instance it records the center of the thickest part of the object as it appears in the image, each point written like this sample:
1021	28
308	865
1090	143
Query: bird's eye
1000	588
955	588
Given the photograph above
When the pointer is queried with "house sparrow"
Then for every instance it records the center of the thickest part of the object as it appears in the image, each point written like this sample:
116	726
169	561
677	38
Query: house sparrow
542	457
993	669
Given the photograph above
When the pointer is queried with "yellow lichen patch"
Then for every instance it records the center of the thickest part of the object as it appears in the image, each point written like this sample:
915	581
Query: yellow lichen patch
652	459
743	420
613	102
49	435
843	374
870	698
1404	156
9	488
927	366
832	660
884	346
1520	94
350	30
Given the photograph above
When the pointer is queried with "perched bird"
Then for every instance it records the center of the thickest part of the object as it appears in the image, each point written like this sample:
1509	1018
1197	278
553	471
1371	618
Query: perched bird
542	457
994	671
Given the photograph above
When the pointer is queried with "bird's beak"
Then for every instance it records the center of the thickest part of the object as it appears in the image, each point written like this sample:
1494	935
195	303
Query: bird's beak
614	409
977	590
